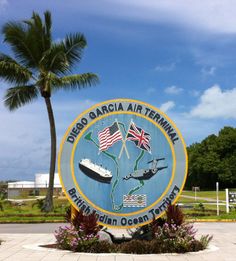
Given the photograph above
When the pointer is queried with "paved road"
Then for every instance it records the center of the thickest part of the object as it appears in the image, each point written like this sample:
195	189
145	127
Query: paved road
43	228
25	246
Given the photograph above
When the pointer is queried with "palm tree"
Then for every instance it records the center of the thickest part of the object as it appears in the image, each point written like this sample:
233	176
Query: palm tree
40	67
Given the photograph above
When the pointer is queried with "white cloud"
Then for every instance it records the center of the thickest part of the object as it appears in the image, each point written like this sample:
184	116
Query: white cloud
167	106
195	129
208	71
208	58
216	103
215	16
165	68
173	90
3	3
194	93
25	136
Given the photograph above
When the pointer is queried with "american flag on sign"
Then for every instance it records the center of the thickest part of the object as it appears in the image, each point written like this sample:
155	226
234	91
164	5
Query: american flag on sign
139	137
109	136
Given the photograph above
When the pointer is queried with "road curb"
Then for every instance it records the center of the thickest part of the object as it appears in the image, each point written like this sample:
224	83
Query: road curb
31	222
211	220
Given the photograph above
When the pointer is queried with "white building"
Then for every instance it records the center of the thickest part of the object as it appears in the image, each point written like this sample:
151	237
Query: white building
41	180
37	187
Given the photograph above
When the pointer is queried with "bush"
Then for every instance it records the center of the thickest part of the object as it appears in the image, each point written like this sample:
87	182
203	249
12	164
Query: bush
86	223
174	215
205	240
70	238
167	239
64	237
103	247
80	235
172	235
181	239
135	247
1	205
39	203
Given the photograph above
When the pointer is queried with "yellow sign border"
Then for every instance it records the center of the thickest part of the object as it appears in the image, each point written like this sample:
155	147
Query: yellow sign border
73	171
132	101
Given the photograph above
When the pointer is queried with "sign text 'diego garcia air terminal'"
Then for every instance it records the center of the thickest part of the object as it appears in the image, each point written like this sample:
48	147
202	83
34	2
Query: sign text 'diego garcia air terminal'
123	159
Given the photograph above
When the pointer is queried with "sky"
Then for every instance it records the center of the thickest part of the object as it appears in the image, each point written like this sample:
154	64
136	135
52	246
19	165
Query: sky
179	56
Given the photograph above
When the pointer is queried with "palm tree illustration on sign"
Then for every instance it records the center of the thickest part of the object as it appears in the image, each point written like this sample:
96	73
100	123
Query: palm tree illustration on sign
39	67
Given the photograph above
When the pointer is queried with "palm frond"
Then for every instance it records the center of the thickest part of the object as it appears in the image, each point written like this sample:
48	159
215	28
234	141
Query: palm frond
22	43
41	31
16	97
76	81
63	55
74	45
48	25
37	22
54	60
13	72
29	39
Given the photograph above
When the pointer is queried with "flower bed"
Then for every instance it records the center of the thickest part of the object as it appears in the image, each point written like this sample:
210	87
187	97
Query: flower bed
170	235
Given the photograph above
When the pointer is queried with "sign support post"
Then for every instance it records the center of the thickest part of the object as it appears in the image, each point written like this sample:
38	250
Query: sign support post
227	200
195	194
217	198
73	212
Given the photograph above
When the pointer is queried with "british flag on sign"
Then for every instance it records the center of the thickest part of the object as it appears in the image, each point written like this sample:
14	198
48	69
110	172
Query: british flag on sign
139	137
109	136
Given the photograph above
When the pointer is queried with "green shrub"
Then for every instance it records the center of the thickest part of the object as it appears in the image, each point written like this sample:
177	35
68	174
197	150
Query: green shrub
39	203
68	214
103	247
70	238
1	206
205	240
135	247
172	235
200	207
179	239
81	235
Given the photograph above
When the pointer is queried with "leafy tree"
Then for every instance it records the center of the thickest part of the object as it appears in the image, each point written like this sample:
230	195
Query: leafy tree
213	160
39	66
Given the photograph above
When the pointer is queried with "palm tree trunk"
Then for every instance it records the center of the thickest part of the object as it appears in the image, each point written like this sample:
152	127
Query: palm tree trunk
48	204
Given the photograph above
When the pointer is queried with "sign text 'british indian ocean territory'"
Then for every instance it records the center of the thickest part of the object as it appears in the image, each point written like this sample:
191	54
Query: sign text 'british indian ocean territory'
124	160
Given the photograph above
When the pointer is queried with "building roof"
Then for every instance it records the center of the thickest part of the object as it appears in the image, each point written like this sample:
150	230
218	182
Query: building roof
41	181
21	184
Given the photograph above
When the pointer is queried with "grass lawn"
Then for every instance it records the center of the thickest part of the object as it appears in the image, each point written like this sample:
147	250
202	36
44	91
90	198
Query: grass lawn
190	200
30	212
20	219
205	210
206	194
209	212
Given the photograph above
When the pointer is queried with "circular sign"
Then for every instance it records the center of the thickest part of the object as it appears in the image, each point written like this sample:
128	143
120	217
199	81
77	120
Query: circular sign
123	159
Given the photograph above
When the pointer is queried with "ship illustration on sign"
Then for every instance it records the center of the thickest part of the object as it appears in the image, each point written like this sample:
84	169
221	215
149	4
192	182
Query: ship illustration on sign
95	171
145	174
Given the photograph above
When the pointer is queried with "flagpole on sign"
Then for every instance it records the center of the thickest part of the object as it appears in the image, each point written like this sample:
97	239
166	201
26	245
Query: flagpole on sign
123	142
99	151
